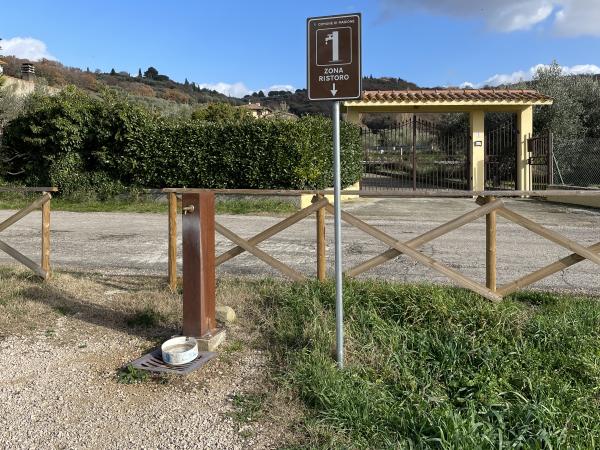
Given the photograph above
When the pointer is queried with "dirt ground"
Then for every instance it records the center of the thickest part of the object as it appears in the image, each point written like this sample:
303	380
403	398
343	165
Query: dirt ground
136	244
62	344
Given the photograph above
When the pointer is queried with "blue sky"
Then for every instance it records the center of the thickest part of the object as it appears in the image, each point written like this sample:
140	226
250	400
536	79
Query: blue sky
244	45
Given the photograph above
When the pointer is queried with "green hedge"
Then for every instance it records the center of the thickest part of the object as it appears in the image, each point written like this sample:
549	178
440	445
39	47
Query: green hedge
105	143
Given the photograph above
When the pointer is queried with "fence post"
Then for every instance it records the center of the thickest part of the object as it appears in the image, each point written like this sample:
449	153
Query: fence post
321	261
45	263
199	284
172	270
490	248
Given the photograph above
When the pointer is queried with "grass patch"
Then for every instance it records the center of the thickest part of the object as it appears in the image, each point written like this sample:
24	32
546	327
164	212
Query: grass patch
64	310
146	318
247	407
246	206
437	367
241	206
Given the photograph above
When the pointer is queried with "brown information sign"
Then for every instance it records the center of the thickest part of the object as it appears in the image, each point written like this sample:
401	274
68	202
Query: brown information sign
334	60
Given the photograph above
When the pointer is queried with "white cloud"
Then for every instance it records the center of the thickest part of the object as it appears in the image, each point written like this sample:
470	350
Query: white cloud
279	87
524	75
26	48
568	17
578	17
239	89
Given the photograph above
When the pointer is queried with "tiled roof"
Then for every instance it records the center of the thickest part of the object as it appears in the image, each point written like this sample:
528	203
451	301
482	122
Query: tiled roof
458	95
256	107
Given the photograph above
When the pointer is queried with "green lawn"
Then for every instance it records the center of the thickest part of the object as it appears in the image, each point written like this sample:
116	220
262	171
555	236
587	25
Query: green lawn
242	206
437	367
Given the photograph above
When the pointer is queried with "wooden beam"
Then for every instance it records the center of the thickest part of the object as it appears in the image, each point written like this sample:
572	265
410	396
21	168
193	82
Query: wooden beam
546	271
490	248
23	260
199	283
22	213
321	246
427	237
427	261
549	234
172	268
28	189
396	193
273	230
286	270
46	237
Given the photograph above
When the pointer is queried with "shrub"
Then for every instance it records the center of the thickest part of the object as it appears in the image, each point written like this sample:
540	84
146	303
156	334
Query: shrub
74	140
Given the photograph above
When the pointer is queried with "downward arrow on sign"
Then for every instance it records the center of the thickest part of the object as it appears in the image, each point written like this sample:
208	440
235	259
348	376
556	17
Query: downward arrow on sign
334	90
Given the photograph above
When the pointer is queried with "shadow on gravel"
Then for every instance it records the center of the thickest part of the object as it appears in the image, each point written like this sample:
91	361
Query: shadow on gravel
97	314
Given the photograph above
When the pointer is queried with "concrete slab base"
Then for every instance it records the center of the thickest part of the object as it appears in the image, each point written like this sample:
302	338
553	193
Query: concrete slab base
209	343
225	314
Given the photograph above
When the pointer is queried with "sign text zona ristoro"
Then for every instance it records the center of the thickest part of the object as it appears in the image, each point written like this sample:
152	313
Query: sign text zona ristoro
334	69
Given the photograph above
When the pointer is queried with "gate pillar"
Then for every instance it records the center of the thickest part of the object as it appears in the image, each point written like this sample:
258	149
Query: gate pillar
476	121
525	125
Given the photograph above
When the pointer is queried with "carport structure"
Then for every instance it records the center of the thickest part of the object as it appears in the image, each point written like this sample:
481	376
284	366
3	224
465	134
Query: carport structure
475	102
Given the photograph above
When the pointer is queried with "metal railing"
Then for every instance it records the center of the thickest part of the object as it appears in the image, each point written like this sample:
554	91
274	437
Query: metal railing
576	162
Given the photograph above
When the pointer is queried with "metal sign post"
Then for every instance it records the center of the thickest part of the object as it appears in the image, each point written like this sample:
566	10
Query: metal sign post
337	220
334	73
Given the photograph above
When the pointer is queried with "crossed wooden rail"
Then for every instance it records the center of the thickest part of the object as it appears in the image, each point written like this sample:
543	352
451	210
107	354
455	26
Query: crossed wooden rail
43	269
489	206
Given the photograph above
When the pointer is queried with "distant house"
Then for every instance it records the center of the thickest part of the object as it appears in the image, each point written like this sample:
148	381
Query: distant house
257	110
1	69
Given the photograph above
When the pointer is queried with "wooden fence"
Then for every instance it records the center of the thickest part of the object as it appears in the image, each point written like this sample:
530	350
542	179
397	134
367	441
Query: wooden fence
490	204
43	203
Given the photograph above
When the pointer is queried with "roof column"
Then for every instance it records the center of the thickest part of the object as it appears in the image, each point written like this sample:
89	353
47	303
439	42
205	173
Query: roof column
525	125
352	116
476	121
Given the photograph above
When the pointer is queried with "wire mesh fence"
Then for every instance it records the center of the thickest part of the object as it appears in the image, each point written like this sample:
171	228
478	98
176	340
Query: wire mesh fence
577	162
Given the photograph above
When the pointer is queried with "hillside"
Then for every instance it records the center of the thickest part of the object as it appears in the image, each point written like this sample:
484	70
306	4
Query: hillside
297	102
158	91
150	84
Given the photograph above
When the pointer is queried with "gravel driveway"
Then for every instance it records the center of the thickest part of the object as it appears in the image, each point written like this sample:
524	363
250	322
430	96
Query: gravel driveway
62	343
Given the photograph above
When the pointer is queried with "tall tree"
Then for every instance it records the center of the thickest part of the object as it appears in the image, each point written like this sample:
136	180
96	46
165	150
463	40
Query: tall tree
575	111
151	73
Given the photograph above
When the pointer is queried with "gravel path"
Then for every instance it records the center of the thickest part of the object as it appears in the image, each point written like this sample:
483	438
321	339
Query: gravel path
59	386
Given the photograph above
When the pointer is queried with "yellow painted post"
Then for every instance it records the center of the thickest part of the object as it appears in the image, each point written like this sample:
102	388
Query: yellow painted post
321	262
525	125
476	120
46	237
490	245
352	116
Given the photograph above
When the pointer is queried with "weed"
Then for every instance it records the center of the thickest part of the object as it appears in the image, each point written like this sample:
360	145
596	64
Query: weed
146	318
248	407
64	310
236	345
131	375
50	332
